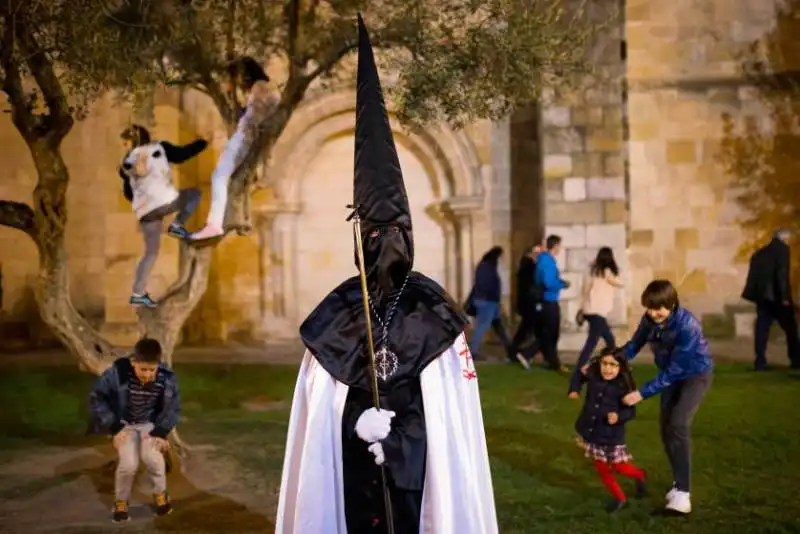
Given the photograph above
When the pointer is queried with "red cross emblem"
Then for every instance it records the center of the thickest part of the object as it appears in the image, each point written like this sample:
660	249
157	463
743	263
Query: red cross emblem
469	372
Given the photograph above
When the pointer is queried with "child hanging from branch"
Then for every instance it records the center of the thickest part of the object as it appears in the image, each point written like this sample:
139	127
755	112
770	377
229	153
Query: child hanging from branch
147	184
248	82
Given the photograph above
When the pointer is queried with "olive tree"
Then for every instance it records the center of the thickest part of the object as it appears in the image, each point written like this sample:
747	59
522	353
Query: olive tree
454	60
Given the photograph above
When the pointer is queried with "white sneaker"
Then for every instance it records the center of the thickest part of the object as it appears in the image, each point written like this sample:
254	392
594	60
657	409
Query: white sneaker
680	502
671	492
523	361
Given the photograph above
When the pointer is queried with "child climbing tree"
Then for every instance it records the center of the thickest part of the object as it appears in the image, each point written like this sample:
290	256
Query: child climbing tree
457	61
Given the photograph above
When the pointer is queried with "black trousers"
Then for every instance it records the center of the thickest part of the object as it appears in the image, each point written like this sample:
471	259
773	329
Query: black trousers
550	332
679	404
526	338
766	314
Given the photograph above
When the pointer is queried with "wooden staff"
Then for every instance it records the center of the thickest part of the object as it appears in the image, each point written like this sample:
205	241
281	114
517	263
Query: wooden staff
376	399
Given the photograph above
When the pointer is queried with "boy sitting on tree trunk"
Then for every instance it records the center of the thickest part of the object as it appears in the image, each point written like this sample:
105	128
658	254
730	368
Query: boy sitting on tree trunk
137	401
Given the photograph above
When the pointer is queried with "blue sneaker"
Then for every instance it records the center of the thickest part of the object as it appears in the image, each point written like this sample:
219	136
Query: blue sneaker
142	300
177	230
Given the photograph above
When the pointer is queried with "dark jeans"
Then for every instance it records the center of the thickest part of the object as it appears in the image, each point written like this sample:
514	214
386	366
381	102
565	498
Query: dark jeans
598	328
679	403
766	314
550	326
526	338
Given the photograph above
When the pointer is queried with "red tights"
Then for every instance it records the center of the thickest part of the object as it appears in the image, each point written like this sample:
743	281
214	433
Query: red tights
606	472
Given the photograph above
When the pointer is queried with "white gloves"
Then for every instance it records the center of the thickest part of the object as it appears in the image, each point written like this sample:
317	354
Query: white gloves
377	450
374	425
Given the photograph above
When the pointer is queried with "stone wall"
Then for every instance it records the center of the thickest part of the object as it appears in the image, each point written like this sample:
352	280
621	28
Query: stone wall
683	75
584	172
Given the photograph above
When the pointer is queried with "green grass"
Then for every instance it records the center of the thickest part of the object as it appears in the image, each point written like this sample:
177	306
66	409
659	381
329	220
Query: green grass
746	437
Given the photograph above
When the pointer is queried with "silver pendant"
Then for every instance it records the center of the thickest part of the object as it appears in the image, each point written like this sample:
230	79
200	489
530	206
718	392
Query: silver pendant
386	363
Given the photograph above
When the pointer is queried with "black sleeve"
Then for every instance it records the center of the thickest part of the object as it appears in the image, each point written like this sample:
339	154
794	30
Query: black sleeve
782	266
181	153
126	185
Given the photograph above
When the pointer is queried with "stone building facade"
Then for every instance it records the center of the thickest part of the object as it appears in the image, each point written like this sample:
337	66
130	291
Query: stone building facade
626	162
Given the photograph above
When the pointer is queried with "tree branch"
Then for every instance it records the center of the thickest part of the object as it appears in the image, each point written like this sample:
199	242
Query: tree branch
60	119
292	13
12	83
19	216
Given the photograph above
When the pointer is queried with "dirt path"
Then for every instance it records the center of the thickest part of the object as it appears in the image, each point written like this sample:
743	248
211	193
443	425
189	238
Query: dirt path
69	490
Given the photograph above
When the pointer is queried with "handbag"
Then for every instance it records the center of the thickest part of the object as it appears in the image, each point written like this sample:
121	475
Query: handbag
580	318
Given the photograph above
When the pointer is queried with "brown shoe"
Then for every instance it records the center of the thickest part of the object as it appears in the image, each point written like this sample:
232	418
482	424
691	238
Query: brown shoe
120	512
163	505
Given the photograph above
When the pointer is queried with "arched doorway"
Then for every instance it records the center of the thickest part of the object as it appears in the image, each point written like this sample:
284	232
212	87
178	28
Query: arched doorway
324	250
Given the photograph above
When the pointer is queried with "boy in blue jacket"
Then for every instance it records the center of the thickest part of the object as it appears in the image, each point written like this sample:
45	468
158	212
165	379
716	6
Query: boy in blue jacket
136	400
685	369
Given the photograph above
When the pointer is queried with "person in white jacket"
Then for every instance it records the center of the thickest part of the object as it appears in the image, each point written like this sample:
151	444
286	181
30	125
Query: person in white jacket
598	301
249	83
147	184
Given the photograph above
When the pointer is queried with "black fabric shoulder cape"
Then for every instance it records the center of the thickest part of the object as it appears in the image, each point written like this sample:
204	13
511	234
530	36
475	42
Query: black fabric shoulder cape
425	324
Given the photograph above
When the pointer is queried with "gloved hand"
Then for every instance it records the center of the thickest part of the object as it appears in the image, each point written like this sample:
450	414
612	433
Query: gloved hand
377	449
374	425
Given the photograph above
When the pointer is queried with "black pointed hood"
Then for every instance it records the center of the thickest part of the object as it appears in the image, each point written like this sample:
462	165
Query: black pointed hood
378	187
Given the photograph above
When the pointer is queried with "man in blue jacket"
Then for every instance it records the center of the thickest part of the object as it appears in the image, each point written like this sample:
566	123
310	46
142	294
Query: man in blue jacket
548	278
685	370
136	400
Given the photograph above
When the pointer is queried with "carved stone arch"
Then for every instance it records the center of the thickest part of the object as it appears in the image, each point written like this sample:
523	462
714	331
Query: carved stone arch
448	157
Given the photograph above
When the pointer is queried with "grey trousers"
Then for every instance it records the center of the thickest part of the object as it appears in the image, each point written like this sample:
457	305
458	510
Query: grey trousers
151	225
136	448
679	404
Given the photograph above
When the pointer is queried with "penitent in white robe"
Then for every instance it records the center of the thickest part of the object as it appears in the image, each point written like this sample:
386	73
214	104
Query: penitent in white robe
457	496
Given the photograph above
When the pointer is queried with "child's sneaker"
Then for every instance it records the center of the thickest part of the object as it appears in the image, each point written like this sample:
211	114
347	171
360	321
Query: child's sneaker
177	230
142	300
641	487
163	506
671	493
210	231
614	506
120	512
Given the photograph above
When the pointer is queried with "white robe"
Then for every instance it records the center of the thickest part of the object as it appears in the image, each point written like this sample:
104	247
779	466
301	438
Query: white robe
457	496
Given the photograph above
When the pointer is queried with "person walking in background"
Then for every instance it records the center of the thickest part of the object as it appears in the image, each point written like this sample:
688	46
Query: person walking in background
549	278
528	297
768	287
597	303
485	298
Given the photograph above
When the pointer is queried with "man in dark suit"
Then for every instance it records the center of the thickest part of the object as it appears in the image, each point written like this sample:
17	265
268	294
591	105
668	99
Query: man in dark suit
768	287
527	299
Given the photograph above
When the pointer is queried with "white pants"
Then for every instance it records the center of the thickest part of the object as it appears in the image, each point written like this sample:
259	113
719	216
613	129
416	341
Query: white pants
130	452
221	177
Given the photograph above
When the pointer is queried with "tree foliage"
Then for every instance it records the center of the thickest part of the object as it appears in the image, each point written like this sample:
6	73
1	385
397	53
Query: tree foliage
452	60
760	151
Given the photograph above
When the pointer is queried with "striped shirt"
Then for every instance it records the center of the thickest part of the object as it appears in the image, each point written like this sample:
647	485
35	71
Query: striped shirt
142	399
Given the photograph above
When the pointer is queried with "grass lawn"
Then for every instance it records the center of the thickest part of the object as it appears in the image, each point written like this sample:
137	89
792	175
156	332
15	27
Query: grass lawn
747	441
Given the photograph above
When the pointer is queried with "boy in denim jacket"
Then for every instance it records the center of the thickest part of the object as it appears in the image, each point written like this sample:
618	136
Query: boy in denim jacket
137	401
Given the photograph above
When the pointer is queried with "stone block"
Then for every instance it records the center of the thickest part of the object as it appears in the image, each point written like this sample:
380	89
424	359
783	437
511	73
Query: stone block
605	188
641	130
595	164
557	166
574	290
641	238
553	190
612	117
605	140
613	164
579	259
586	212
718	326
594	116
562	141
580	164
606	235
744	324
615	211
694	282
572	236
681	152
558	116
574	189
687	238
